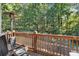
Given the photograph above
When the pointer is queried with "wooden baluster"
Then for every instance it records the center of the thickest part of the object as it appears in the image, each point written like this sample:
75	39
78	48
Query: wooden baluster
27	40
77	45
44	42
30	38
72	44
68	43
49	45
39	49
60	46
69	48
56	48
37	43
64	46
40	42
46	45
33	42
52	45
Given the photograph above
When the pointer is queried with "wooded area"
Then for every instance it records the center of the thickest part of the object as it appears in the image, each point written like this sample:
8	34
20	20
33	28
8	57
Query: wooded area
55	18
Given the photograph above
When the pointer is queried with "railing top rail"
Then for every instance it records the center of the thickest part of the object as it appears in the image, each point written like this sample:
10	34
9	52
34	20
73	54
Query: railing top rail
49	35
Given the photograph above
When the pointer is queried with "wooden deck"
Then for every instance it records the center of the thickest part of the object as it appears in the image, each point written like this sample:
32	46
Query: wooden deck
46	44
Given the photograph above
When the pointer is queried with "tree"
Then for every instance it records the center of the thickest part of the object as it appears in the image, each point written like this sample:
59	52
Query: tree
56	18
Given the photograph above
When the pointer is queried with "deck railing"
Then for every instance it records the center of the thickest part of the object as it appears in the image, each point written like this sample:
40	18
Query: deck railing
48	44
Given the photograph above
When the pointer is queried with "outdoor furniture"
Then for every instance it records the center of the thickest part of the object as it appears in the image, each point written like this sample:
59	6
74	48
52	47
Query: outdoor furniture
11	48
3	45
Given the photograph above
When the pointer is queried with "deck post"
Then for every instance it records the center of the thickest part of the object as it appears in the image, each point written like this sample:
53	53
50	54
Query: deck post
34	42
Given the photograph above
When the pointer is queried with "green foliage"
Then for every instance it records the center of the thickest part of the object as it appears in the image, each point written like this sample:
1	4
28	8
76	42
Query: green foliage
45	18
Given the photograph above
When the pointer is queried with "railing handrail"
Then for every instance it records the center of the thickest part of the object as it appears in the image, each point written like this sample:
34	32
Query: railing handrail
50	35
